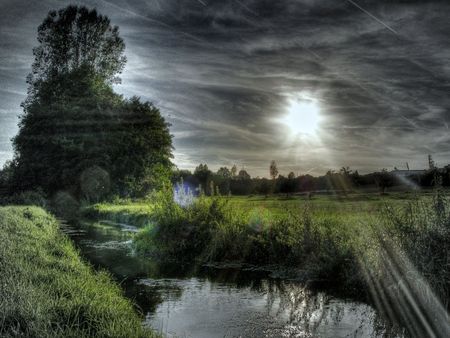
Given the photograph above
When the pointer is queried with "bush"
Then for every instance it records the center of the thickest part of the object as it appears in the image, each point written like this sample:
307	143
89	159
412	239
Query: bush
209	229
29	197
181	232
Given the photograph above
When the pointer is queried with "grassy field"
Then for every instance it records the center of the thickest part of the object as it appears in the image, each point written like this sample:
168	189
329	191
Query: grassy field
139	212
352	203
46	290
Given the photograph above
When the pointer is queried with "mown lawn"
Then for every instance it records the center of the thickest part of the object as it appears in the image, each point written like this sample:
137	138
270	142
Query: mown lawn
46	290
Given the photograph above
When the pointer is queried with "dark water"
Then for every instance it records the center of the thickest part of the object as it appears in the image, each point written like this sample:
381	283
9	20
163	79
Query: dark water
182	302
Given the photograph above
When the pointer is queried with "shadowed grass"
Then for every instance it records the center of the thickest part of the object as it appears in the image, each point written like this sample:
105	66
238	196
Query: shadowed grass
47	291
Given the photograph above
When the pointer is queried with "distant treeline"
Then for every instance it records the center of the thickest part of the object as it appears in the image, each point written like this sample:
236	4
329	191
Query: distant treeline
230	181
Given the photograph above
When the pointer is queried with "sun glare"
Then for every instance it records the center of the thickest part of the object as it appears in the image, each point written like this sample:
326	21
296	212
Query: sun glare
302	116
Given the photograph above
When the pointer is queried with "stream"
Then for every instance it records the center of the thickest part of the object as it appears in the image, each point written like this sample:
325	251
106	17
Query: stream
211	302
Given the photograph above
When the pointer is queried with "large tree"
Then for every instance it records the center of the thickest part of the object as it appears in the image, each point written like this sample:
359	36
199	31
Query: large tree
72	37
76	134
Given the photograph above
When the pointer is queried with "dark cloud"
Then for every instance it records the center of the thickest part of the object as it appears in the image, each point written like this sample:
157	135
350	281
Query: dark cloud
223	71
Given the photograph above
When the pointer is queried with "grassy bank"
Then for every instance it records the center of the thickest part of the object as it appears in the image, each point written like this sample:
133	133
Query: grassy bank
46	290
124	211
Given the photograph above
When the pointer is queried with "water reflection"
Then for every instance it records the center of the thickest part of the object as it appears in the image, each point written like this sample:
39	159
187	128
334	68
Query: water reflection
267	308
205	302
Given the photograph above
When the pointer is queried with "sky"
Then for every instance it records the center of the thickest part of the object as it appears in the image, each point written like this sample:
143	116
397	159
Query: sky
312	84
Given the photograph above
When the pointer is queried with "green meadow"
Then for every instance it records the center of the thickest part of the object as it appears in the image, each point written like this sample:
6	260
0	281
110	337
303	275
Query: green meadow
139	212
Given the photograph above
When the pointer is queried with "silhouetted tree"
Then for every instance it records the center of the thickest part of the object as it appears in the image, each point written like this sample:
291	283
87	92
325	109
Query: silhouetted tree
222	180
355	177
242	184
243	175
446	176
233	171
264	186
224	172
273	170
73	37
346	171
384	180
203	175
291	183
73	122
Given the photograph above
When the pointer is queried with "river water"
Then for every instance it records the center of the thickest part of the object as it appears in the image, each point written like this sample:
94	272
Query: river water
206	302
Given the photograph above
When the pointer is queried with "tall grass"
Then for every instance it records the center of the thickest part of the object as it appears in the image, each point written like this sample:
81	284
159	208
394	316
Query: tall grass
422	231
212	229
181	232
46	290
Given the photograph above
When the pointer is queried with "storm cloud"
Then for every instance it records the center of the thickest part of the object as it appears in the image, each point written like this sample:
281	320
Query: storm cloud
221	73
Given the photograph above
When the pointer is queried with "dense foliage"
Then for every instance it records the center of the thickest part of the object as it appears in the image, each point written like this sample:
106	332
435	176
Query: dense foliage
73	37
76	134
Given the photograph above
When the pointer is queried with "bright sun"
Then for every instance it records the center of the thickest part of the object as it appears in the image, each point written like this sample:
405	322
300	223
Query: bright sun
303	116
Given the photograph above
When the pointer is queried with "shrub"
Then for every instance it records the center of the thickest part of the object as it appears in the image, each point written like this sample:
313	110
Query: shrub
181	232
29	197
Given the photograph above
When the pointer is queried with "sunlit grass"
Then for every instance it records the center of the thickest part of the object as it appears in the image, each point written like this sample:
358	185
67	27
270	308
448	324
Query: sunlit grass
136	213
46	290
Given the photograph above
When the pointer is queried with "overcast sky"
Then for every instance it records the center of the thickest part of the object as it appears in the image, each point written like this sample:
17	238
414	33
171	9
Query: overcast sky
223	74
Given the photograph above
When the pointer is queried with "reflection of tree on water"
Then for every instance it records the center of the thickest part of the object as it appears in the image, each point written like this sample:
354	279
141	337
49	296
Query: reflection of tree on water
307	312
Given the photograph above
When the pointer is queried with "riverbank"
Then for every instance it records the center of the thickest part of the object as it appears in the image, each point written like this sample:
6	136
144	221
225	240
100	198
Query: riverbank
391	252
46	290
138	213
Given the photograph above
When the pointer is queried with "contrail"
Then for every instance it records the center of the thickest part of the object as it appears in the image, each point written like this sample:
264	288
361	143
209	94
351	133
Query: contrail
271	27
246	7
373	16
410	122
203	3
161	23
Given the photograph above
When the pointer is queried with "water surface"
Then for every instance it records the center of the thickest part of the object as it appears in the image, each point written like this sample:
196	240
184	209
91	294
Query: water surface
204	302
